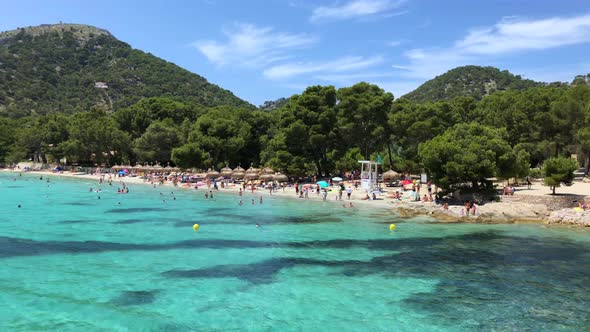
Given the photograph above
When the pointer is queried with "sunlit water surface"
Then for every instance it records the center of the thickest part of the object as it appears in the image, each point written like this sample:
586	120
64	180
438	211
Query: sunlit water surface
73	262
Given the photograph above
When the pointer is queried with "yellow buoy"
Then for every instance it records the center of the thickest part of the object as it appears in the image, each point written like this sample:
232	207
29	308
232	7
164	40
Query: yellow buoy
391	227
196	227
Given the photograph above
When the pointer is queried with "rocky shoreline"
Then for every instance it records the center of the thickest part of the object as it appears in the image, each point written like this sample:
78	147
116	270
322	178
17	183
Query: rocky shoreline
539	209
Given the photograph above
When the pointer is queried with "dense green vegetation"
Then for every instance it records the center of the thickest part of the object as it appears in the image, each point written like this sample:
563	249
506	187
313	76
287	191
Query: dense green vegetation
324	131
472	81
56	70
558	170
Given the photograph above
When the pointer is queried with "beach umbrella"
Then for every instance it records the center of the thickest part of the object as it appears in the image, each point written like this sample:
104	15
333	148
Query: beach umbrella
267	170
250	176
266	177
226	171
116	167
212	173
337	179
391	174
238	173
252	170
280	177
251	173
323	184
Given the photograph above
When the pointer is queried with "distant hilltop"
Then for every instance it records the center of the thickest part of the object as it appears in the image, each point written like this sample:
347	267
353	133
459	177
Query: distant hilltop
75	67
81	31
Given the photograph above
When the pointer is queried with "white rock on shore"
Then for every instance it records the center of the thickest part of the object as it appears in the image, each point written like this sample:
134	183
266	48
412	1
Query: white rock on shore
570	216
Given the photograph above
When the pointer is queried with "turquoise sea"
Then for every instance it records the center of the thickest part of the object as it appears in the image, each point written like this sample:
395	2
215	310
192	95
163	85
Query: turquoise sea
73	262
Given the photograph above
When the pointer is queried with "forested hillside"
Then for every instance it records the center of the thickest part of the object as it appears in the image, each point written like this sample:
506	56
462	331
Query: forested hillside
504	127
56	67
469	81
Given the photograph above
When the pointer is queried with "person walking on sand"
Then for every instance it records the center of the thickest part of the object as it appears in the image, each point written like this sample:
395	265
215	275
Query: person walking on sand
528	183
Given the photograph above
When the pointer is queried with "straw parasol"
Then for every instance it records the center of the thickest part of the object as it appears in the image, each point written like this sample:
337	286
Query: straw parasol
212	173
267	170
251	173
116	167
391	174
266	177
238	173
279	177
226	171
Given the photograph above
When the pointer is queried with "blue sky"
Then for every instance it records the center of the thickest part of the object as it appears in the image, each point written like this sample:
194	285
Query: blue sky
264	50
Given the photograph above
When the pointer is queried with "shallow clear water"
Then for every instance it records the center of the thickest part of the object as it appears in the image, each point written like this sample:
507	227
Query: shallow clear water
72	262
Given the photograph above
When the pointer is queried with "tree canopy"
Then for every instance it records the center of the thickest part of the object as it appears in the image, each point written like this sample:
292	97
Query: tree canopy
558	170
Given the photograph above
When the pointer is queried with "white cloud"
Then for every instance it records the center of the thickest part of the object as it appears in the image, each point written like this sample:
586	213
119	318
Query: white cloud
354	8
485	45
353	78
250	45
512	35
341	65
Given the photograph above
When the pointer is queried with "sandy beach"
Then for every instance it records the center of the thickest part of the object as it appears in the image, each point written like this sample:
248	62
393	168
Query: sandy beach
534	204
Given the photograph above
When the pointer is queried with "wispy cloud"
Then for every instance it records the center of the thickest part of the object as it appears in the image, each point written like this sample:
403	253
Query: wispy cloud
509	36
512	34
354	9
394	43
347	64
250	45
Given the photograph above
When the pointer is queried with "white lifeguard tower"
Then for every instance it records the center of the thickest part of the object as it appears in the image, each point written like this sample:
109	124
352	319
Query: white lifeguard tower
369	175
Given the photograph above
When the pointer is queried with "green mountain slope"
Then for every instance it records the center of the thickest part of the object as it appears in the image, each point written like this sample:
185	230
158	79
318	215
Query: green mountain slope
472	81
56	67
